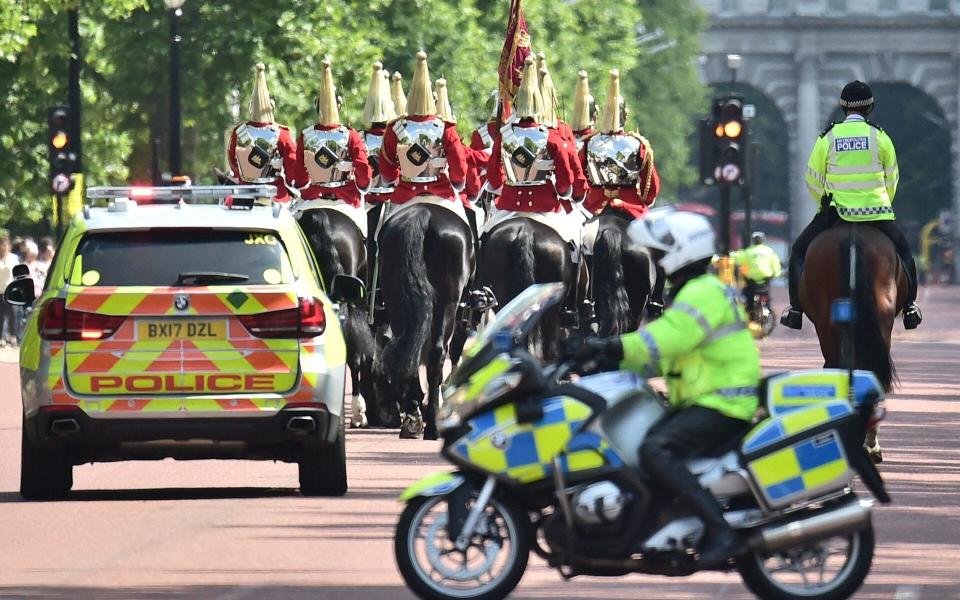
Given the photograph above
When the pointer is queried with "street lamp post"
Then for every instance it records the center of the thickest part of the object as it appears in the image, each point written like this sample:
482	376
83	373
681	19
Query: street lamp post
175	11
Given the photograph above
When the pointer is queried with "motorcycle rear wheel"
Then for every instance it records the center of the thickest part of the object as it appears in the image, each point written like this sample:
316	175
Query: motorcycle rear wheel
764	580
489	569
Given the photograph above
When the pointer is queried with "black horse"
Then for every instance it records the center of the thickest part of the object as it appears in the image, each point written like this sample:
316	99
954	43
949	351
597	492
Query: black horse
339	247
424	270
621	274
519	253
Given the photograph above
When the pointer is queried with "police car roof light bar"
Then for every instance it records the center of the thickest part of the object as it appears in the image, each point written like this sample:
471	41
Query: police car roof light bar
184	193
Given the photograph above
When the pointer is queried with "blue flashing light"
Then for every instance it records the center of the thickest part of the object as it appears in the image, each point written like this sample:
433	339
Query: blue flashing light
842	311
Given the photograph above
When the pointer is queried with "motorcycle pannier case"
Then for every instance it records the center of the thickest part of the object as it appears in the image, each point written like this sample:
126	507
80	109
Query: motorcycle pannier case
798	453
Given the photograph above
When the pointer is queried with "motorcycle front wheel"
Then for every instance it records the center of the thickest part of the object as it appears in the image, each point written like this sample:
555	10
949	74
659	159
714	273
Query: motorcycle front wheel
829	569
490	567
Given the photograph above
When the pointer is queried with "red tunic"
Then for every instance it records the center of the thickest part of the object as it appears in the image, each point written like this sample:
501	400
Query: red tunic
626	199
476	140
287	150
371	197
351	193
579	178
444	186
535	198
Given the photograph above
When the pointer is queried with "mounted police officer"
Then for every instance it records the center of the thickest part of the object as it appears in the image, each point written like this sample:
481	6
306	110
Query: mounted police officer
261	150
852	173
709	359
331	156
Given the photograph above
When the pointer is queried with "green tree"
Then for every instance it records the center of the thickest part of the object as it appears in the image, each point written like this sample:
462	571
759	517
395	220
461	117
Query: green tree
125	83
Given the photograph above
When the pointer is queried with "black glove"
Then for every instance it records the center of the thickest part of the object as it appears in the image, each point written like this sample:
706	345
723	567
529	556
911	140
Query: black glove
593	354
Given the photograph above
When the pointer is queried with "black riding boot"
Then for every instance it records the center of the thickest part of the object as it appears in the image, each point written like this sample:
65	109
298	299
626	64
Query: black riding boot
911	312
655	303
792	316
477	299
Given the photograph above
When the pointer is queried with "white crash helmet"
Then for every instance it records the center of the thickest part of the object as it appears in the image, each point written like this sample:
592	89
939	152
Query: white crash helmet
683	237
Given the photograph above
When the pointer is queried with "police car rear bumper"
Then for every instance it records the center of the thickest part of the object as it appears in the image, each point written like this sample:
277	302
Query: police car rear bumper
280	436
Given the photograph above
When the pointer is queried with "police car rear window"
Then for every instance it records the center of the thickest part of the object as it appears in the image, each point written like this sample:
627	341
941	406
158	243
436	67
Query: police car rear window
164	257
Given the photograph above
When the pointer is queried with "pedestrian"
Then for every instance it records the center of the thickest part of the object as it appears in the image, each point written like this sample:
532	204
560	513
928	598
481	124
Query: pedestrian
44	259
8	261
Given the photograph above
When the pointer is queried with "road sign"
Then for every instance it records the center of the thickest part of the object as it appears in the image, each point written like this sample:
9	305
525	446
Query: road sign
60	183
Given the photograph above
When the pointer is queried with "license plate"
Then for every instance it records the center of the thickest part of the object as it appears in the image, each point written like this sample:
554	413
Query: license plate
182	329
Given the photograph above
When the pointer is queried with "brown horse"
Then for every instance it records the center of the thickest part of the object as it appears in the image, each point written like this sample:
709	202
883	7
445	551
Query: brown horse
879	290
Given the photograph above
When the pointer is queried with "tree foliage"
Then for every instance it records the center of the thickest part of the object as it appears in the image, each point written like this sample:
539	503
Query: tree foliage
126	72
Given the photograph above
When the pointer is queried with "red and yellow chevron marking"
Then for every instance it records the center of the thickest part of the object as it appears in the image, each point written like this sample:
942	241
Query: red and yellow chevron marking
157	301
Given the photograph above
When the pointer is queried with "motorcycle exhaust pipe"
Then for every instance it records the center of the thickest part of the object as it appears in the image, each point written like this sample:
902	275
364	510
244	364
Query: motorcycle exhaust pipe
851	517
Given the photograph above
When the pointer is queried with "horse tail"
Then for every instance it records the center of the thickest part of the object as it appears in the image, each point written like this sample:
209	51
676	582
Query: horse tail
317	227
870	349
411	309
612	302
525	267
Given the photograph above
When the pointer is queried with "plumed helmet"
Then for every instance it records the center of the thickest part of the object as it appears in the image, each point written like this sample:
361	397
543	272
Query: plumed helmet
528	102
261	106
610	116
379	107
492	105
328	112
682	237
397	95
582	114
420	101
758	237
858	96
548	92
444	110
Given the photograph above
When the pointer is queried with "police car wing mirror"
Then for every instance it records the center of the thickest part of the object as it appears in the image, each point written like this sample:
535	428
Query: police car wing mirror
20	271
346	289
20	292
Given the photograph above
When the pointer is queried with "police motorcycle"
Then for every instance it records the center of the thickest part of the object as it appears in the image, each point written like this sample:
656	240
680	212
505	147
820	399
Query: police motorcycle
761	317
551	466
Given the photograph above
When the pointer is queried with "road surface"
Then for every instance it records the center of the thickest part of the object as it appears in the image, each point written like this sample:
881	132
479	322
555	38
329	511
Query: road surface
239	530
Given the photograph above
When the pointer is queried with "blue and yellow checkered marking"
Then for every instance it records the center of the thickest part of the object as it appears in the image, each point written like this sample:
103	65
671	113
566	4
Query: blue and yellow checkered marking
527	450
812	464
774	429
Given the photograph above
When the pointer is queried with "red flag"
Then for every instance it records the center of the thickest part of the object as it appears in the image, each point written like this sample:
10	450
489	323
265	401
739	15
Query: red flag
516	48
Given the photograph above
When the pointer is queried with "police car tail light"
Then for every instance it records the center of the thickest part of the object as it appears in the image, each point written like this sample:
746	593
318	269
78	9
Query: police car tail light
59	323
305	321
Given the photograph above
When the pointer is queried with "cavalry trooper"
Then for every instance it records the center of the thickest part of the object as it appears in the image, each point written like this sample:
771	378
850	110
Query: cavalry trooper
852	173
551	118
332	157
620	171
758	264
397	95
531	165
261	150
482	137
378	111
584	110
472	183
710	362
420	154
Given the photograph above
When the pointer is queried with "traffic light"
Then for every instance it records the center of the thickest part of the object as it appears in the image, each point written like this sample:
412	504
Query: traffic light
730	140
60	149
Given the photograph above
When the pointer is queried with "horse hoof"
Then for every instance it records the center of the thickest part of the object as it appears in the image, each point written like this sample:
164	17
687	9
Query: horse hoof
431	435
411	428
876	454
359	423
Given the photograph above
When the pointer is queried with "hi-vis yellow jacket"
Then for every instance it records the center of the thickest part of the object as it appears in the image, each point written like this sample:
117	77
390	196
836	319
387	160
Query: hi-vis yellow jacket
855	163
703	348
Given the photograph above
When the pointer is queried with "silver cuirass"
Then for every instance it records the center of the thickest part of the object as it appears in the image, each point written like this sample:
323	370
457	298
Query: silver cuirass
373	143
526	158
485	137
613	160
257	153
420	150
326	156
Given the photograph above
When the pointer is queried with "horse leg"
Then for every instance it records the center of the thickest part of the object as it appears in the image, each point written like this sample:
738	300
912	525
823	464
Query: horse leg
411	396
872	445
358	406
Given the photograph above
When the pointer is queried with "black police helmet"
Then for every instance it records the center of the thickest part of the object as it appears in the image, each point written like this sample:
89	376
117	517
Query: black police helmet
856	96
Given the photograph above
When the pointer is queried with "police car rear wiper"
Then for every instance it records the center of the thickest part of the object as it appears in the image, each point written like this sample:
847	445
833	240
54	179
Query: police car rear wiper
201	277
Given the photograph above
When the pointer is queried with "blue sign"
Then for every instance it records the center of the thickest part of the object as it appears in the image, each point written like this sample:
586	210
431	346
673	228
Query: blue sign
810	391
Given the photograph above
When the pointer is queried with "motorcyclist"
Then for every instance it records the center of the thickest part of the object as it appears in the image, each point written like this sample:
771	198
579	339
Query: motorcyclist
758	264
709	360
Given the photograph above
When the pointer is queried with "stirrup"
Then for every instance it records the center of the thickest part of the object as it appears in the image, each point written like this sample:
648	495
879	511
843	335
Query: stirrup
480	300
912	317
654	310
792	318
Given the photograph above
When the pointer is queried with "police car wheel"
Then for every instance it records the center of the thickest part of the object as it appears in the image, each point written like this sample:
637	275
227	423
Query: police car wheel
45	474
323	470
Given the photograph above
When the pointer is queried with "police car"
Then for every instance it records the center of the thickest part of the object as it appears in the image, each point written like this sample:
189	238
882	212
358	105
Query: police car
171	327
